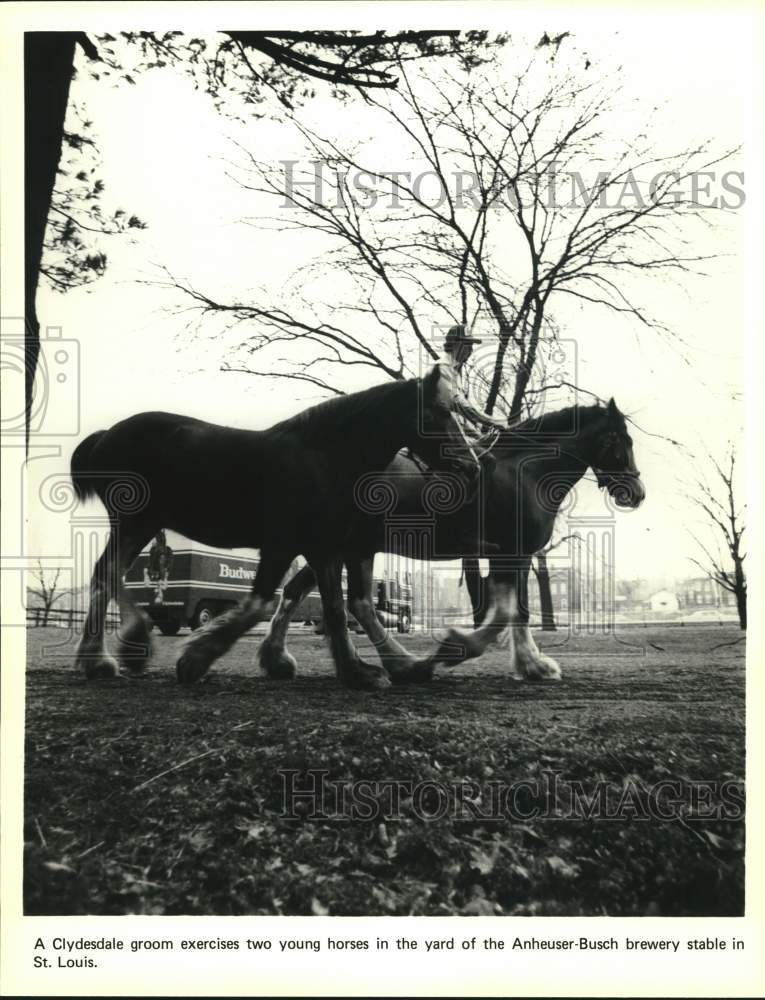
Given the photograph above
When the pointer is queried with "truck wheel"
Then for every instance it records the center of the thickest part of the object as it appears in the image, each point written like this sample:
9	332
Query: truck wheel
203	615
405	624
169	628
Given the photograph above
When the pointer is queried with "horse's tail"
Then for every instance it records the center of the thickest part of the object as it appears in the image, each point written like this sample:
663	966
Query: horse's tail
85	484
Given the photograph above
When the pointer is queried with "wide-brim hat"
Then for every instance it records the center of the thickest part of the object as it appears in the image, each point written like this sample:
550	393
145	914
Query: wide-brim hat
458	335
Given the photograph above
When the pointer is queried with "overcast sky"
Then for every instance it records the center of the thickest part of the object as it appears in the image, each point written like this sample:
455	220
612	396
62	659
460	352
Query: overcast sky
163	148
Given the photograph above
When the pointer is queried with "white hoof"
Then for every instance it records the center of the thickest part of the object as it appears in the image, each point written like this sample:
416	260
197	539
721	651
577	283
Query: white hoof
540	667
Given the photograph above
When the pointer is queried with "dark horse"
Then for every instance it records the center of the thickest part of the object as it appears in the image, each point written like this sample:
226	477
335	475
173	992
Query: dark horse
537	463
287	491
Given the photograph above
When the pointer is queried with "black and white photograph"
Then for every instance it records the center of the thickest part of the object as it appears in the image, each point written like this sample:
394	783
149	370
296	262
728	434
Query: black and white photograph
380	473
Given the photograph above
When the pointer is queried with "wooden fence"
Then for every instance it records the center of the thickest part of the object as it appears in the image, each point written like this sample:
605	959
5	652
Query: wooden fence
65	618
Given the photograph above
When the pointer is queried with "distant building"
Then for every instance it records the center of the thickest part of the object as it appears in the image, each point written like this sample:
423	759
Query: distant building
664	601
703	592
561	591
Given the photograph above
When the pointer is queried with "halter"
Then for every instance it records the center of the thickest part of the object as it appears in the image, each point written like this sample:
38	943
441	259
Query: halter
622	478
601	476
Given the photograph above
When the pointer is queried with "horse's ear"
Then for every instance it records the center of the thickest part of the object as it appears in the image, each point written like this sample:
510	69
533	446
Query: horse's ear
612	409
436	389
430	380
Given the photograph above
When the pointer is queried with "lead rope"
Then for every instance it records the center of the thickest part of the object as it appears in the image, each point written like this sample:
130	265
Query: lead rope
486	442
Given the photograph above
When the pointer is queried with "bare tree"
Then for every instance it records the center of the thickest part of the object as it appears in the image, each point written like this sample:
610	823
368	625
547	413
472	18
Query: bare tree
534	197
509	166
47	590
723	555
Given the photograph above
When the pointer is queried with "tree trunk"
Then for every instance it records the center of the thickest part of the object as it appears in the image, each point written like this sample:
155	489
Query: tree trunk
506	333
740	588
545	594
526	366
477	588
741	608
48	68
740	591
496	380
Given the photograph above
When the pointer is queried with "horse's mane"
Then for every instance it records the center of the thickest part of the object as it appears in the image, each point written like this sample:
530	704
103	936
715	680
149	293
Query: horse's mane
558	420
337	414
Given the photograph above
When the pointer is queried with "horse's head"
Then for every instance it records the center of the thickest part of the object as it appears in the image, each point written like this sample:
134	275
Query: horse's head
439	440
613	461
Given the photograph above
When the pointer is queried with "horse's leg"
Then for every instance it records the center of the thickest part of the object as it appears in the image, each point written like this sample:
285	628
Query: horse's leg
351	669
134	636
121	548
273	655
477	588
205	646
91	655
529	662
400	665
458	645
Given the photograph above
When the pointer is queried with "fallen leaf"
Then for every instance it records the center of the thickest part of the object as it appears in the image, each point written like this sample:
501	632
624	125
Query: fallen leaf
57	866
561	867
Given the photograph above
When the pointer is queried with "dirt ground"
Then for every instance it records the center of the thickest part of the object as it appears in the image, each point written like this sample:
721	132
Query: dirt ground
617	791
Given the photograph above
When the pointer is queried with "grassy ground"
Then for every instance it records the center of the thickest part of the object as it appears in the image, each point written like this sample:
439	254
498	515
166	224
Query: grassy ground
115	825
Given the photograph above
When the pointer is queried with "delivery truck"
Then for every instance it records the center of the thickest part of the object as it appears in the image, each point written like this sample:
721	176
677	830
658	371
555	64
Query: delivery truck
178	582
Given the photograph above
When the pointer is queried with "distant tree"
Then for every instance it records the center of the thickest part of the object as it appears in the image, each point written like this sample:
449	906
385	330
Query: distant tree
723	557
546	606
628	589
541	571
47	590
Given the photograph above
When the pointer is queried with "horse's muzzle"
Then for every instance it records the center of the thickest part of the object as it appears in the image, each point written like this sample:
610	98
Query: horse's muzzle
625	489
